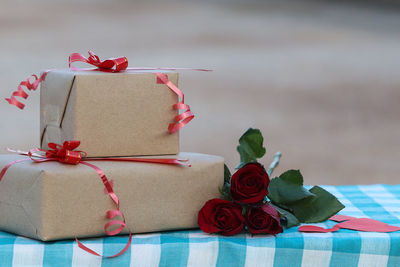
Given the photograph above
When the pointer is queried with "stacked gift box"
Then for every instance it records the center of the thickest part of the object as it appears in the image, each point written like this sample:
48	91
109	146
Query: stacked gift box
123	114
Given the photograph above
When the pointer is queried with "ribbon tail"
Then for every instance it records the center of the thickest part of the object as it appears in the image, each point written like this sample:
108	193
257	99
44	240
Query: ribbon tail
125	248
13	101
21	93
162	68
178	162
91	251
105	181
4	170
74	57
85	248
181	119
110	215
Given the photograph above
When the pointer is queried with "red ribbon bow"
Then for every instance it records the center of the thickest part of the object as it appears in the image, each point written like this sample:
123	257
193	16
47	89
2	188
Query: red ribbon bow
68	155
64	153
108	65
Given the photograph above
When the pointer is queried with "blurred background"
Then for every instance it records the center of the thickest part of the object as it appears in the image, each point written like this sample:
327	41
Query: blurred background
319	78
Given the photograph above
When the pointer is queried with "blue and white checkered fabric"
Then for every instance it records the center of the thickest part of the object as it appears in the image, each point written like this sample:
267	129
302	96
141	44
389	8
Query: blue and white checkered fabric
344	248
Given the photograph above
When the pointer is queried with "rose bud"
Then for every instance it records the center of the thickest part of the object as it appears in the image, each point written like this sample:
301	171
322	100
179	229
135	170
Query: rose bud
249	184
221	216
263	220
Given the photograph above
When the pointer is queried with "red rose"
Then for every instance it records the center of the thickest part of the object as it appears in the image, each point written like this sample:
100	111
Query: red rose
221	216
263	220
249	185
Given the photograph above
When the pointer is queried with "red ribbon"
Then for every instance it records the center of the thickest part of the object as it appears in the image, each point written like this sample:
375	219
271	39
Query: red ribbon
112	65
68	155
108	65
21	93
181	119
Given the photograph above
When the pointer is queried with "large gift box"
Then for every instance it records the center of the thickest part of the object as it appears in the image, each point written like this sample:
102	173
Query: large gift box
112	114
52	200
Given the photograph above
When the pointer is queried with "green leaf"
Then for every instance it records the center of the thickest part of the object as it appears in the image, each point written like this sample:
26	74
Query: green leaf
287	218
244	158
224	194
225	190
288	188
318	208
250	146
227	175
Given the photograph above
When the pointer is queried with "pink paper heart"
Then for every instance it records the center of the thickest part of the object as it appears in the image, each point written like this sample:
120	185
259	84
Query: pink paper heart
341	218
368	225
352	223
317	229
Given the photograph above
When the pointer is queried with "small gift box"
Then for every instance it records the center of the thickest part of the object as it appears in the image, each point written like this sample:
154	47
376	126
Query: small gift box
52	200
113	114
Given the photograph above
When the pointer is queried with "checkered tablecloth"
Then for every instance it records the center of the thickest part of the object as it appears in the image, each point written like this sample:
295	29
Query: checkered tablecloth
344	248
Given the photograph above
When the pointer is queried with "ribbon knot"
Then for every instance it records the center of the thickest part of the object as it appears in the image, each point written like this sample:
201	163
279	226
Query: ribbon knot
65	153
108	65
93	58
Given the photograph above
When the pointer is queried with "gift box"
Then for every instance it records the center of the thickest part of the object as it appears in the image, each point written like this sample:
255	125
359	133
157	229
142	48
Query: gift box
51	200
112	114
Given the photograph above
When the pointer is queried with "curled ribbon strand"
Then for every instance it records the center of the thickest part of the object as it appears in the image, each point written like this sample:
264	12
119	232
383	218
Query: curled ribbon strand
112	65
68	155
29	85
183	118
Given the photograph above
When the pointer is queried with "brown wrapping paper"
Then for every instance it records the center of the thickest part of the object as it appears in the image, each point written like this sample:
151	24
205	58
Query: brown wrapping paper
112	114
51	200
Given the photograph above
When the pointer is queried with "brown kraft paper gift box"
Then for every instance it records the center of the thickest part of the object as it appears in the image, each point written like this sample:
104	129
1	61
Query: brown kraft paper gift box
51	200
112	114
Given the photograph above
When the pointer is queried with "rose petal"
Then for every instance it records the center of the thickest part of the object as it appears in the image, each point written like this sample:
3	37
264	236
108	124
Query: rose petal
263	220
271	211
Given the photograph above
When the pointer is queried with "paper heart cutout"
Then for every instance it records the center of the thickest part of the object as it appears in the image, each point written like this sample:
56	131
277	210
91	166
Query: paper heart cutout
352	223
341	218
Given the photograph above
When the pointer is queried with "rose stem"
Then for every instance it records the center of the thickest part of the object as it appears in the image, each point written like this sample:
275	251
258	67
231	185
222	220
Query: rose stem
274	163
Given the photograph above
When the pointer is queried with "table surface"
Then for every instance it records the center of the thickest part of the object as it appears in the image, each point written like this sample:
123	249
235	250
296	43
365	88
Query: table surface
194	248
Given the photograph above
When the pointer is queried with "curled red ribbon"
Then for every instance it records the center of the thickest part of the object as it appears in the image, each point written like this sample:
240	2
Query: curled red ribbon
181	119
112	65
68	155
21	93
